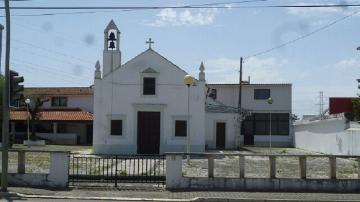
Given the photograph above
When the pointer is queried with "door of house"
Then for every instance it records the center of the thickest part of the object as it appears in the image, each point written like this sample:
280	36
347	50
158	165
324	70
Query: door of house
89	134
248	131
148	130
220	135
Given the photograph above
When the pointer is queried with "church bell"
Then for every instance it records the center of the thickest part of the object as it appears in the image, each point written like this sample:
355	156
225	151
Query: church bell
112	39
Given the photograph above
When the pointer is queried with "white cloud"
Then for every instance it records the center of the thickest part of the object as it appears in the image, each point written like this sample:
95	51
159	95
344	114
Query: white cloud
172	17
351	64
320	11
225	70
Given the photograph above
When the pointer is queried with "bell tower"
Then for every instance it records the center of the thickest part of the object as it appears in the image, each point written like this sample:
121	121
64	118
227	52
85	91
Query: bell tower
112	53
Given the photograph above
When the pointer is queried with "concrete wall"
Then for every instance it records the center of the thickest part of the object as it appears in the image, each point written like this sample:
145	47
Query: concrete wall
331	136
60	138
175	180
119	95
58	176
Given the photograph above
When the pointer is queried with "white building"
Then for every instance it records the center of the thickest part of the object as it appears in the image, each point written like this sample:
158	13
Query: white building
141	107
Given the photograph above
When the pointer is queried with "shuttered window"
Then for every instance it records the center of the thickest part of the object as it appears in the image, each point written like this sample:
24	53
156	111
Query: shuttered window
116	127
149	86
180	128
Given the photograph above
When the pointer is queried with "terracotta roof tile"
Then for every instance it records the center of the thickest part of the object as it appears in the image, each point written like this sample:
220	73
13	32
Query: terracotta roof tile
54	116
59	91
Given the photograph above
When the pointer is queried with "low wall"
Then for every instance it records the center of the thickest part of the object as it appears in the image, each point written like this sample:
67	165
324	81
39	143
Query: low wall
59	138
175	179
331	136
57	177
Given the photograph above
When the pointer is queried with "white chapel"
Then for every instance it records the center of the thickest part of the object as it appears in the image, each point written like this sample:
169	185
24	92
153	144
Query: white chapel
141	107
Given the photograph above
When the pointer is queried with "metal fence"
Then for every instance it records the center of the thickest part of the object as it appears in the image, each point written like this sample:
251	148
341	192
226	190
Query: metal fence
115	169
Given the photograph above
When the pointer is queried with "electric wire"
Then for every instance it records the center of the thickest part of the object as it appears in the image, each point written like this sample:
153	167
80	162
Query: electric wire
302	36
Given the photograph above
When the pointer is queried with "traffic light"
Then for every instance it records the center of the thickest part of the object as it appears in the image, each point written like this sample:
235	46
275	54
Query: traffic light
15	88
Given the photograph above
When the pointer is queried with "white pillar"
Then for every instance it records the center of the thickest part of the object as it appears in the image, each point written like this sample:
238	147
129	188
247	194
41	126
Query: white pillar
173	171
59	169
55	127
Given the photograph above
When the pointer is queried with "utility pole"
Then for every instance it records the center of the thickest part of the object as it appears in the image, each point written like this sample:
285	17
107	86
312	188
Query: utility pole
1	30
5	123
240	104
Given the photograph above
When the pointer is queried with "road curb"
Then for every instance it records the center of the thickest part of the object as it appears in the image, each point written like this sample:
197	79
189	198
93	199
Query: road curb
196	199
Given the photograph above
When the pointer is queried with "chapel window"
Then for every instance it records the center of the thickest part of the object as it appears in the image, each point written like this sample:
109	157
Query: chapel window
116	127
149	86
180	128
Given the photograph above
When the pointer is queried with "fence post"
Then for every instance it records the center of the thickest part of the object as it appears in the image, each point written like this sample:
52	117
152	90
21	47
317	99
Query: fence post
116	165
272	162
302	166
332	162
358	168
173	171
211	166
242	166
59	169
21	162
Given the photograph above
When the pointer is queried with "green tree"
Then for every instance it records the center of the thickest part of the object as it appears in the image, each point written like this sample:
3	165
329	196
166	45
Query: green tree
356	108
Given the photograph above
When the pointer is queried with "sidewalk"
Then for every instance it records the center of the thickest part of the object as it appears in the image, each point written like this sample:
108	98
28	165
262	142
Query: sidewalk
160	194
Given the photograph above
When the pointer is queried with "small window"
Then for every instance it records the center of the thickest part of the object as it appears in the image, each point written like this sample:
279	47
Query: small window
116	127
59	101
213	93
149	86
261	94
180	128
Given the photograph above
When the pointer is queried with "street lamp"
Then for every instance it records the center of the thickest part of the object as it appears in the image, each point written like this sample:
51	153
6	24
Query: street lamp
27	102
270	101
188	80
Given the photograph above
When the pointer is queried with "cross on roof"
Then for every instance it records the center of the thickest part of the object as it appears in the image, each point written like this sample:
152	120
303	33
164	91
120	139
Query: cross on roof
150	42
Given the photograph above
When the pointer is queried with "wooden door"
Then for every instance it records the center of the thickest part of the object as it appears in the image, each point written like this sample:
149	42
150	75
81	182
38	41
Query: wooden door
220	135
148	129
248	131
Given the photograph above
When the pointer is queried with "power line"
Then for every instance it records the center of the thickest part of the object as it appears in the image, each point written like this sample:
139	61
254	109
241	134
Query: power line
303	36
48	50
173	7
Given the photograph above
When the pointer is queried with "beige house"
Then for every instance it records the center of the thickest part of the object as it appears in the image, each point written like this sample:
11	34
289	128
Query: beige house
66	118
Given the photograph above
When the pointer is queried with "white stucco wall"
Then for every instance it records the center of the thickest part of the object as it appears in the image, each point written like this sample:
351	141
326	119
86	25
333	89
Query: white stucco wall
281	94
124	99
231	129
84	102
331	136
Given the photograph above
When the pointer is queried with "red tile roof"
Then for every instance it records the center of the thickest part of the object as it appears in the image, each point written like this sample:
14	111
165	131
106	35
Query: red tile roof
54	115
59	91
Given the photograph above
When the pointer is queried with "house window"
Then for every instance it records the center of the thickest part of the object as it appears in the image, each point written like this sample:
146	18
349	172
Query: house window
261	94
213	93
279	124
59	101
180	128
149	86
116	127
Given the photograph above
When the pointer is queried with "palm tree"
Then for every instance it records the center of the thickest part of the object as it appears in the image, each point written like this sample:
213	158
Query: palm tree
36	102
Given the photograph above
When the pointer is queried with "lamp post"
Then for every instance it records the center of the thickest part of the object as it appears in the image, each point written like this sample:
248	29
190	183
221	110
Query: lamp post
270	101
27	102
188	80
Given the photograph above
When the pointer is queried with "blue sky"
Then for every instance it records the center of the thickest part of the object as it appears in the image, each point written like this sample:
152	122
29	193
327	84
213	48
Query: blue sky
61	50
